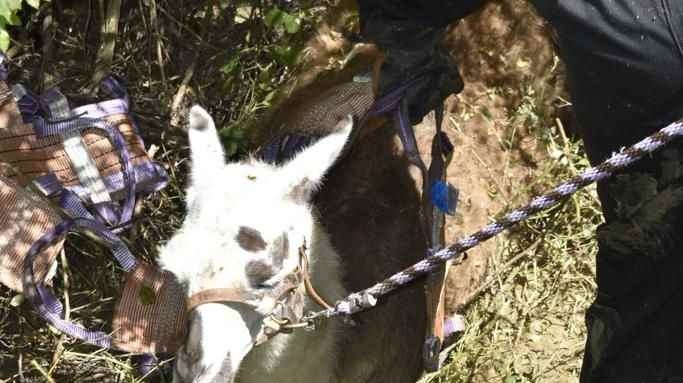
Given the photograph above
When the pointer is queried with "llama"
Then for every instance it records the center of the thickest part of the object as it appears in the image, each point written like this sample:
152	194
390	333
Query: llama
245	222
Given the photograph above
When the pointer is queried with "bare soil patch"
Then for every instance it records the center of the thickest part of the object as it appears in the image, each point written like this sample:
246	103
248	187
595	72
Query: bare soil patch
512	81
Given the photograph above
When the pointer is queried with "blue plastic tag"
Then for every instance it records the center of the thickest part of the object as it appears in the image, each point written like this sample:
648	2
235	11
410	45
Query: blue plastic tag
444	197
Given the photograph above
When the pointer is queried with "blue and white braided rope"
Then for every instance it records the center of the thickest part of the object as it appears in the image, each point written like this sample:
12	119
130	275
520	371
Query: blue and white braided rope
367	298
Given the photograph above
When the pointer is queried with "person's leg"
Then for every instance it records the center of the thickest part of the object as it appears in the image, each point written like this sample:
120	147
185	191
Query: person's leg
625	70
634	324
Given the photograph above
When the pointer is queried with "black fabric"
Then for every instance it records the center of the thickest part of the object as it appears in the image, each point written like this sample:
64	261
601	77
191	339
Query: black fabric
411	16
624	61
409	33
625	71
624	66
634	324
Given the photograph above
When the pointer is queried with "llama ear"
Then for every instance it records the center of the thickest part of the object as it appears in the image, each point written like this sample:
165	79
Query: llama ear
206	151
305	172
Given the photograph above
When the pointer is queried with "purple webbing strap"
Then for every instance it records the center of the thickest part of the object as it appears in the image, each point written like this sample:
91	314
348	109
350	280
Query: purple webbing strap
284	148
115	88
407	135
105	210
29	106
390	101
146	170
45	303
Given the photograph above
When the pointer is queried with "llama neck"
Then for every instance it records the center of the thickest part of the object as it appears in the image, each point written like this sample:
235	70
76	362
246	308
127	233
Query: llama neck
303	356
326	269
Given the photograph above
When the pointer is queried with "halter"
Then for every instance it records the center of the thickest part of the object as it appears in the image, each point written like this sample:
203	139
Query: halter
282	307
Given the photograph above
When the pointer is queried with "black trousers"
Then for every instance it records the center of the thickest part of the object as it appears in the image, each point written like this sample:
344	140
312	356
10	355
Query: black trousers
624	60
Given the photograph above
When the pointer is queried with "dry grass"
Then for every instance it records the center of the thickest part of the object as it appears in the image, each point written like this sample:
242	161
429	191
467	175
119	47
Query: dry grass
529	326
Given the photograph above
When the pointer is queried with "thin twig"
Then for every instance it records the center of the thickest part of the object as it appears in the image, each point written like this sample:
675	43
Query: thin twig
153	19
189	72
105	53
493	177
180	94
20	365
47	32
486	285
185	27
147	29
42	371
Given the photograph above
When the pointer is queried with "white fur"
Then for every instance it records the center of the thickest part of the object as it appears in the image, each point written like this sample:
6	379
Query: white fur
204	254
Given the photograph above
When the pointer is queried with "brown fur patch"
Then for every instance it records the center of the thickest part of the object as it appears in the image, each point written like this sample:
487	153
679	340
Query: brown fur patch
280	250
301	192
258	272
250	239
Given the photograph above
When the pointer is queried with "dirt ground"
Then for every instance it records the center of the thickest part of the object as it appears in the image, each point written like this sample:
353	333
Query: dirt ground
502	52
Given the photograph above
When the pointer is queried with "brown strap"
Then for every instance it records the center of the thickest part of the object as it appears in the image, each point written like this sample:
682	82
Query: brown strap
435	284
219	295
310	290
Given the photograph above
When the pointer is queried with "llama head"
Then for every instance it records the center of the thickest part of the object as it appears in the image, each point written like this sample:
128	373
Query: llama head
244	225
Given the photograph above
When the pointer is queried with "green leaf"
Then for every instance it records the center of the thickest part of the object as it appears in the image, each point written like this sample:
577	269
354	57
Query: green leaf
14	20
291	23
33	3
5	12
4	40
231	66
14	5
285	55
274	17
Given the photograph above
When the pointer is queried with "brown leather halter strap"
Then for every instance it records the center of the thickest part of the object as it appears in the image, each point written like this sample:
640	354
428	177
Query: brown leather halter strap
219	295
240	295
310	290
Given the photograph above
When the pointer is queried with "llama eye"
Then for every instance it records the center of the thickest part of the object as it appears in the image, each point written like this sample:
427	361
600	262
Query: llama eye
258	273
